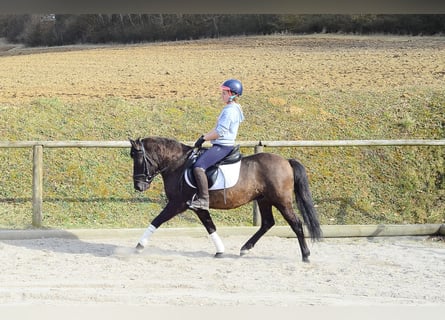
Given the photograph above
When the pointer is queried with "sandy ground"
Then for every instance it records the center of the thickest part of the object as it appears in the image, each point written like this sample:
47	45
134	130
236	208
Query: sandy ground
181	271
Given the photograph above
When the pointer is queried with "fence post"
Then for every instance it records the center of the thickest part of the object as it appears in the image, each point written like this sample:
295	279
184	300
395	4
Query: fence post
37	185
256	210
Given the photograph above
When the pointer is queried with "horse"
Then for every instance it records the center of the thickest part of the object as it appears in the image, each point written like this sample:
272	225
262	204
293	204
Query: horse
268	178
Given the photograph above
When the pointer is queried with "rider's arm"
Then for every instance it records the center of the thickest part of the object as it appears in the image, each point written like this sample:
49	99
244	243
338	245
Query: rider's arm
211	135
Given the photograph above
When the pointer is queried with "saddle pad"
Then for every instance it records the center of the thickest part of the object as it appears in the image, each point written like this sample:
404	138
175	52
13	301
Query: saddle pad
228	175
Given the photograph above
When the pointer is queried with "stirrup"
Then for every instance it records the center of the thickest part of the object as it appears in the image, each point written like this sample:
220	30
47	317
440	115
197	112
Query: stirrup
197	203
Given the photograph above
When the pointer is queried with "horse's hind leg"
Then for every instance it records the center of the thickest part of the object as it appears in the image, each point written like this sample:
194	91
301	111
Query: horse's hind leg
204	217
267	222
297	227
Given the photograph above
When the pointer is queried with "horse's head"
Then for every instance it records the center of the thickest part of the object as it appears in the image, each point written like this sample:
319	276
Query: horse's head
144	169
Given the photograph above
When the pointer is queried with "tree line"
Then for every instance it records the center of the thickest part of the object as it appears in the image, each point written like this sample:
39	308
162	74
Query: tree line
65	29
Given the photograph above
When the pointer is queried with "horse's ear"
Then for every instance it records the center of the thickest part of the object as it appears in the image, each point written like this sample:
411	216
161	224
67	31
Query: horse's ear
133	143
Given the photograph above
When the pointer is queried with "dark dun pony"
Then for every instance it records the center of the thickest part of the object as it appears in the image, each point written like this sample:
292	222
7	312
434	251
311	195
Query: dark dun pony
267	178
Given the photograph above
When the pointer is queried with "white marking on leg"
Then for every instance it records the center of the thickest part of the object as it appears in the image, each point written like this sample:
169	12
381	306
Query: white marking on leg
217	242
244	252
147	234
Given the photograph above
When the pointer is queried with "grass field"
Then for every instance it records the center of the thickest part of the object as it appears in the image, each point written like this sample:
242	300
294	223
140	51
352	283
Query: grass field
296	88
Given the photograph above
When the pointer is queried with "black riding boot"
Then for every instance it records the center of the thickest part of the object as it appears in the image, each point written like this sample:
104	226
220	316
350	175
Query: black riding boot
202	202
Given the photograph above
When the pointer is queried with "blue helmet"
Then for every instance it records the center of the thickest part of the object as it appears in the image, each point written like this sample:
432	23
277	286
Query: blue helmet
234	86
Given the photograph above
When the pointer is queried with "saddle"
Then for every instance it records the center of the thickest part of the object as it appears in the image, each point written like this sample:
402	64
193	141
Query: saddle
212	172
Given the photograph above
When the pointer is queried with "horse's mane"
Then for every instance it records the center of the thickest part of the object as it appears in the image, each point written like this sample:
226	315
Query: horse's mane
166	149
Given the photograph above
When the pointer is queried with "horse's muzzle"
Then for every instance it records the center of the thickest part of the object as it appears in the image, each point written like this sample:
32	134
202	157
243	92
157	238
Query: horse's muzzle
141	185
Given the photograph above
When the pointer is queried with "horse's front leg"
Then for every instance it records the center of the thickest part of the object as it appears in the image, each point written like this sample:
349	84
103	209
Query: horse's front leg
166	214
204	217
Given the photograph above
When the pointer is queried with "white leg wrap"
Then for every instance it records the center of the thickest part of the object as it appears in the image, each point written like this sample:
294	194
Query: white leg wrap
147	234
217	242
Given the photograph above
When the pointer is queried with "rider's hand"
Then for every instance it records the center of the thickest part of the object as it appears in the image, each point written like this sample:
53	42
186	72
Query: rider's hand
199	142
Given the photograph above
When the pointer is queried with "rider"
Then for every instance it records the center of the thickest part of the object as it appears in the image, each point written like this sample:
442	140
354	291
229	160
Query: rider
222	137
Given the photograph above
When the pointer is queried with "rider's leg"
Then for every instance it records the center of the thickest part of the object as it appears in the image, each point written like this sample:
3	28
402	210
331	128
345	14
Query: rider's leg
206	160
202	200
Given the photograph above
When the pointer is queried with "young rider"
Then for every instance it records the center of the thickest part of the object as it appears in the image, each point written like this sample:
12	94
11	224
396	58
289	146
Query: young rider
222	137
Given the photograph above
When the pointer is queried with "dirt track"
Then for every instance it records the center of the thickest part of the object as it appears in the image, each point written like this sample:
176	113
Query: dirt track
182	271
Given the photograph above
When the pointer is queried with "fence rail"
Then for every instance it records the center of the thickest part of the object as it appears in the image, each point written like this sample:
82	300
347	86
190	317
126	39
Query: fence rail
299	143
38	146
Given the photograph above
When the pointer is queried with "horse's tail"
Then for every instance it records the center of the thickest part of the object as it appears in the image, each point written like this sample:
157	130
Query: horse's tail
304	199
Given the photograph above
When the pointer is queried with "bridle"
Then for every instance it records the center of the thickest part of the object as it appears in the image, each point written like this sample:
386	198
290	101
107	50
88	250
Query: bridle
145	176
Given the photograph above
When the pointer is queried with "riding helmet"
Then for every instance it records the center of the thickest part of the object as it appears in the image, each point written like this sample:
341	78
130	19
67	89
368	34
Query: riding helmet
233	85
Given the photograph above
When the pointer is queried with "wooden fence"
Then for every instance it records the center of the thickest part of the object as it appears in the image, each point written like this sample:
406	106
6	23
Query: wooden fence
38	146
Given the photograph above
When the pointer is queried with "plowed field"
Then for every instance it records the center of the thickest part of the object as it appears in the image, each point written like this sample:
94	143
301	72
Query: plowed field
195	68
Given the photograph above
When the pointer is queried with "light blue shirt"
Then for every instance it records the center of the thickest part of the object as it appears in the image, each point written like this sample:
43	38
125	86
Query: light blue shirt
228	123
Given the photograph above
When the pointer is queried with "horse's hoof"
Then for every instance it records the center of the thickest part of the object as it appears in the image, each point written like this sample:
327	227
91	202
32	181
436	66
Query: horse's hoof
219	254
243	252
139	248
306	260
